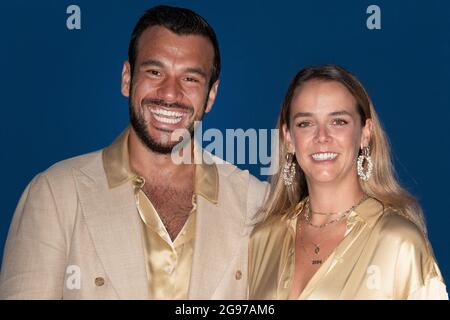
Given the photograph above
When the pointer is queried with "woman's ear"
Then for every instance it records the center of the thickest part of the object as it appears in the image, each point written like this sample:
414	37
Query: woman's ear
366	133
287	138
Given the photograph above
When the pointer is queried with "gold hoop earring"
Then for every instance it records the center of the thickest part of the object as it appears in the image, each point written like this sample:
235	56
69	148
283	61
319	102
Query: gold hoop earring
289	170
365	155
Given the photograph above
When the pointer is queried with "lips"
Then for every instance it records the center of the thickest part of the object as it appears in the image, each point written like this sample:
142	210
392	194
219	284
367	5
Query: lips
324	156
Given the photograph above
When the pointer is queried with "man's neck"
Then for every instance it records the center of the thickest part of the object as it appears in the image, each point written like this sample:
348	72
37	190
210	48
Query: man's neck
148	163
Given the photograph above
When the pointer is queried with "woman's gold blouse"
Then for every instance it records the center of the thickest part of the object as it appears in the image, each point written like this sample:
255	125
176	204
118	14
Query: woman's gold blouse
382	256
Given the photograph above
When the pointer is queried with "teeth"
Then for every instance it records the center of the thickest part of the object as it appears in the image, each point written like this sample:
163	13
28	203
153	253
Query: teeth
324	156
165	116
162	112
167	120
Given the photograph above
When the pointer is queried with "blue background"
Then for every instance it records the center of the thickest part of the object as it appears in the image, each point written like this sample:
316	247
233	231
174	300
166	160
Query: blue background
61	89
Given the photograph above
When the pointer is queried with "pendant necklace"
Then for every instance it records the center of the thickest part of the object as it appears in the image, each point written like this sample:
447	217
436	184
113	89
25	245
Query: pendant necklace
316	260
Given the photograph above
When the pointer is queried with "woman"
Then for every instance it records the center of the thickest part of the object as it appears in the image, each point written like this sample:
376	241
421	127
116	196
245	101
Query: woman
338	225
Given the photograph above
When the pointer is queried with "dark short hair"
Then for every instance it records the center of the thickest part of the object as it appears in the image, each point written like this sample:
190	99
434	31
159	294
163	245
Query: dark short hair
180	21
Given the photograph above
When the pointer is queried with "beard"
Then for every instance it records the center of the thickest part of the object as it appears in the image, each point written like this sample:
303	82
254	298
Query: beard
140	125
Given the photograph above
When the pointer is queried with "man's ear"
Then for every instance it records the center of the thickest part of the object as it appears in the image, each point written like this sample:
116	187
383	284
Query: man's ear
366	133
126	78
212	96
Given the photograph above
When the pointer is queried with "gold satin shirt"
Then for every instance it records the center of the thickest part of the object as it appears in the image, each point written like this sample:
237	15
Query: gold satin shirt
168	263
382	256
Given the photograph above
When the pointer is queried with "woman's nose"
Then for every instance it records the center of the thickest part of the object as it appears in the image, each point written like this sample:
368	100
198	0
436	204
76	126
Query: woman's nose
322	134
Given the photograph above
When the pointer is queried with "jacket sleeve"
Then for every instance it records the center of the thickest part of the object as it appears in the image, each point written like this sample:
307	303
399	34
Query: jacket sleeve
35	251
257	194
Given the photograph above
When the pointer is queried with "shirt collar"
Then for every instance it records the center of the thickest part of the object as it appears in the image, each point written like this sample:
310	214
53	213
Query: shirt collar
116	161
369	211
117	168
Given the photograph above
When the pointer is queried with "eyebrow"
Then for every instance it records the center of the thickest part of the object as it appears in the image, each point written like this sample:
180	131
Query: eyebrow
341	113
310	114
197	71
156	63
152	62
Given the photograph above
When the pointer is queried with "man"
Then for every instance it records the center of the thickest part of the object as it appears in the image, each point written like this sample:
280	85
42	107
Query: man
127	222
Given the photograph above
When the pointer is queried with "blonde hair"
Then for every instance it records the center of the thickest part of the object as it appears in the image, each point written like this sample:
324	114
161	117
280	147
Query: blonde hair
383	184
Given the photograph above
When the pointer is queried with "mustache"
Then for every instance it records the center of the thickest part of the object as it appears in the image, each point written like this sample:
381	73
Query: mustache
162	103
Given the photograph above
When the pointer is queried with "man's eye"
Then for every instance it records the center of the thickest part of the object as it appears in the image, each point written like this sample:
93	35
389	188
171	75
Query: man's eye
154	72
340	122
190	79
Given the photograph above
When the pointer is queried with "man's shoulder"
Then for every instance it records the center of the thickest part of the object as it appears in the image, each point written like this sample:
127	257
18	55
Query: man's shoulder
241	180
65	168
233	173
242	183
56	187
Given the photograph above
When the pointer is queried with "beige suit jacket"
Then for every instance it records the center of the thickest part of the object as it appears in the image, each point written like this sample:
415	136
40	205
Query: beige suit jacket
72	237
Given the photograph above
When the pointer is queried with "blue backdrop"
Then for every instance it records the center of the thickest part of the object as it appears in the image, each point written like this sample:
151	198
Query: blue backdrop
61	88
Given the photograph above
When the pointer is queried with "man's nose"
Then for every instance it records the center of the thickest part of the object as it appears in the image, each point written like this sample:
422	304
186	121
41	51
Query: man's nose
169	90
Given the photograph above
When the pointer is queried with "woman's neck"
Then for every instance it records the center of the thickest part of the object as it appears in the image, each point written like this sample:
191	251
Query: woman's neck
326	198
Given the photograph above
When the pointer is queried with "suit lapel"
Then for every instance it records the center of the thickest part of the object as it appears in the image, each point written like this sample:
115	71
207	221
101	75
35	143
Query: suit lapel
113	223
219	234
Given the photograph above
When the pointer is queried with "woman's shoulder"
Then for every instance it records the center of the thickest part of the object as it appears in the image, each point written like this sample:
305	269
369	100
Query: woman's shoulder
394	226
410	248
399	236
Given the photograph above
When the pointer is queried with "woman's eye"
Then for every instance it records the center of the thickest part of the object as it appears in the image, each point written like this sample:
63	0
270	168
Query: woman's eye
303	124
340	122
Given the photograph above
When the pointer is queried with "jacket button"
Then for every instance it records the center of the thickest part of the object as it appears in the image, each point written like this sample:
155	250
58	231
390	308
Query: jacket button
139	182
238	275
99	281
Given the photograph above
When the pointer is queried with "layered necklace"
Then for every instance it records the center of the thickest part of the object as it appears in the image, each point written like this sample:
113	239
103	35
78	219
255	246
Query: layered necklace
315	259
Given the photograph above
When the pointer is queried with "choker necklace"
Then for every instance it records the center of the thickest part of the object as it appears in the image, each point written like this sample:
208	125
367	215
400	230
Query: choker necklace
342	215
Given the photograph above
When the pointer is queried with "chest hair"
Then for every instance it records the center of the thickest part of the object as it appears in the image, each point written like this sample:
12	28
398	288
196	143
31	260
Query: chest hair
172	204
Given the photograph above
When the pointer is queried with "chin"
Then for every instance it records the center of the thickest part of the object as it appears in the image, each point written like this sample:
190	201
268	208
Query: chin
324	180
323	177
